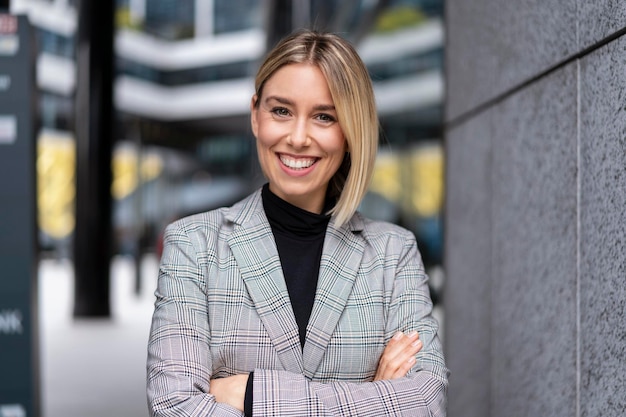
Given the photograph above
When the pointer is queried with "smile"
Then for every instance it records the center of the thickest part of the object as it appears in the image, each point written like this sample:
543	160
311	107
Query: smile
297	163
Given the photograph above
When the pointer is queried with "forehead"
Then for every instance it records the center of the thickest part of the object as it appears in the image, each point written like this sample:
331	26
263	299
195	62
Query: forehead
298	78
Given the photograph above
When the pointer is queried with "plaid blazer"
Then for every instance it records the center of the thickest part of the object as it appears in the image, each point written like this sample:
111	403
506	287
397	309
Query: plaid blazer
222	308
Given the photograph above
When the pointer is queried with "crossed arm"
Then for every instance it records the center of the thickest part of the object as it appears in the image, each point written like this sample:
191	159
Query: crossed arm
396	360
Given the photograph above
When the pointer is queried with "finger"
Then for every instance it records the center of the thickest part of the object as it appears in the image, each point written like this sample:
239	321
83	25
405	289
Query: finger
395	369
399	356
401	344
388	370
402	367
392	350
402	361
398	343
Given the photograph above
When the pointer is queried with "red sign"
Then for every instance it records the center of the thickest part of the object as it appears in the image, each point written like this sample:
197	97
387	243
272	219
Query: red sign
8	24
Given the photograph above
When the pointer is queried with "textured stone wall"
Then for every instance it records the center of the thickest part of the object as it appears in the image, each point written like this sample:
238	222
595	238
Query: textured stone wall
535	254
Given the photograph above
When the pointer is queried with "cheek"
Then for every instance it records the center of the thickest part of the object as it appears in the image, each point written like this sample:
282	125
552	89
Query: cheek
261	143
267	134
263	153
337	155
336	144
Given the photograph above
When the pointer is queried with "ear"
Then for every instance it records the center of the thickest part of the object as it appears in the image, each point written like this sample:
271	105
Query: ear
253	115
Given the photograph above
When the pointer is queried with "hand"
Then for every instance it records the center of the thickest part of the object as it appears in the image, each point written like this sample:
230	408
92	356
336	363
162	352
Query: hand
399	356
230	390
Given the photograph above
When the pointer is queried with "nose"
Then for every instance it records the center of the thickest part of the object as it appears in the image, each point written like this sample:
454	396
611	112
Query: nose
299	135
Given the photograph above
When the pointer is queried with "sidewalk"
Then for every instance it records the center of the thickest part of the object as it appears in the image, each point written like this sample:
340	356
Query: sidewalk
94	367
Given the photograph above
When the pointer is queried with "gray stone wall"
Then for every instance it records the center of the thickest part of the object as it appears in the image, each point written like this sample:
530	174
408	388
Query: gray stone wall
535	254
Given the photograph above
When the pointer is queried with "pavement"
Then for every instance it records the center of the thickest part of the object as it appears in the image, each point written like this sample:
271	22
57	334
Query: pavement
95	367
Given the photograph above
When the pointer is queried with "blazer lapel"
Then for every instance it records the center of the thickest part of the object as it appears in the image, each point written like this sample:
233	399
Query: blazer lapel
341	257
252	244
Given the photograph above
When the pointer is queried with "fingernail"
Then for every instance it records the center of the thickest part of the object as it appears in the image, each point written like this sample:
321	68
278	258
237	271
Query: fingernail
417	343
412	333
398	336
411	359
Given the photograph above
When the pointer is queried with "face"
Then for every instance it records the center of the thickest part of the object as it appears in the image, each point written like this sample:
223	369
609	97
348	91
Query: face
299	141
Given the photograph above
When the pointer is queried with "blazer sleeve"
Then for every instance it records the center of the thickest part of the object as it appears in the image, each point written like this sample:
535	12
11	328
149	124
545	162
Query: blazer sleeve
421	393
179	360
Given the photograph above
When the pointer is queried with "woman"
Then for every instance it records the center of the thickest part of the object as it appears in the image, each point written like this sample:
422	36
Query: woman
290	302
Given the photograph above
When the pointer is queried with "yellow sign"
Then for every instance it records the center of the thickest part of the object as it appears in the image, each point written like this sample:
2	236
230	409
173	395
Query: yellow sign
56	179
125	174
427	180
56	189
413	180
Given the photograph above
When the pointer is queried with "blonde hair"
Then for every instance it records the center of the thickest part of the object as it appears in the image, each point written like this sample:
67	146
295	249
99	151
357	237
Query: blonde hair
353	96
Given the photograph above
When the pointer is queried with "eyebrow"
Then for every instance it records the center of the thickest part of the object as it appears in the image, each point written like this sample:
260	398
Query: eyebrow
286	101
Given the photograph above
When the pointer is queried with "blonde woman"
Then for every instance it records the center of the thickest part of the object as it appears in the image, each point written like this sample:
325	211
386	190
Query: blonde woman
290	303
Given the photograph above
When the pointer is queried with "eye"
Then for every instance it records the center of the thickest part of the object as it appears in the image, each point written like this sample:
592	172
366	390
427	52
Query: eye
326	118
280	111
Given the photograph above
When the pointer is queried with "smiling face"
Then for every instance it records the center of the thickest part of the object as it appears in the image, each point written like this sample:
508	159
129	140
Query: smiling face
299	141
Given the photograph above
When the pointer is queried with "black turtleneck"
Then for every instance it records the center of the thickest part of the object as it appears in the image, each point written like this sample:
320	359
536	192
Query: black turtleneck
299	237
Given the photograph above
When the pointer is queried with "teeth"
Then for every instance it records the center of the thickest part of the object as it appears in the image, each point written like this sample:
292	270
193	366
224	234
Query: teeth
299	163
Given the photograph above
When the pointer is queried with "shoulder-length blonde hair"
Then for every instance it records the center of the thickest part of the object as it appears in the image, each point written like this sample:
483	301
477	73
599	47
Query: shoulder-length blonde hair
353	96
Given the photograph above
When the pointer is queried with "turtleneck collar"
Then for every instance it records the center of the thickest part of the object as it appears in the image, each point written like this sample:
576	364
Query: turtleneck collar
287	218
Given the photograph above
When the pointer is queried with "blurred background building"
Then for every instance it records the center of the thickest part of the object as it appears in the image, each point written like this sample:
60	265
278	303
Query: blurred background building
183	81
182	84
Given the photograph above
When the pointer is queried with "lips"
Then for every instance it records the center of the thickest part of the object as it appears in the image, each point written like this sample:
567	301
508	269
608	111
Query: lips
297	163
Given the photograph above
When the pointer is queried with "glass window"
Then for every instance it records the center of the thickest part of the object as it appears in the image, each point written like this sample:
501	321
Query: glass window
408	65
229	71
235	15
170	19
56	44
56	112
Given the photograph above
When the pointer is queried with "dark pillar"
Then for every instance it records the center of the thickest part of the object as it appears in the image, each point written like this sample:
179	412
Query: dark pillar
94	137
